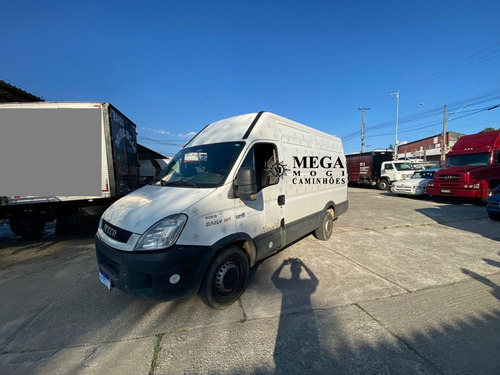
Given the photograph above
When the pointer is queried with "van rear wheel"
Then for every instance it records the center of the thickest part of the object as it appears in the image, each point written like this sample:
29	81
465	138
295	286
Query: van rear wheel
324	232
226	278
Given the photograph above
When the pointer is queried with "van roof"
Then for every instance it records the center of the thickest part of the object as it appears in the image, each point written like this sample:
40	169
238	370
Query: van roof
239	128
230	129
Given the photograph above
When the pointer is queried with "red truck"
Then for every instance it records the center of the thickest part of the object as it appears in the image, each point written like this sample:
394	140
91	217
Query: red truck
472	168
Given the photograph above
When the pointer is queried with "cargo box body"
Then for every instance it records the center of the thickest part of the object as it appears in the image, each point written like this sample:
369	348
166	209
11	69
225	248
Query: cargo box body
364	168
58	157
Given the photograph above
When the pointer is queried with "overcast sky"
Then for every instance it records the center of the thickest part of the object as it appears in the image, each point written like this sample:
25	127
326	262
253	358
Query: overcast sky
174	66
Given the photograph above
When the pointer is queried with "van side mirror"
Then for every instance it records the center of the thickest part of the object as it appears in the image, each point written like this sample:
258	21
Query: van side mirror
245	184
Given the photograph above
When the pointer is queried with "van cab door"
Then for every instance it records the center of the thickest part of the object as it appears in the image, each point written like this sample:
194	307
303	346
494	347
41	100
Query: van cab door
263	218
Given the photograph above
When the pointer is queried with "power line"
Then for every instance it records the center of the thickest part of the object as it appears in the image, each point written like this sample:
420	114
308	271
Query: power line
161	142
436	123
477	58
412	118
454	68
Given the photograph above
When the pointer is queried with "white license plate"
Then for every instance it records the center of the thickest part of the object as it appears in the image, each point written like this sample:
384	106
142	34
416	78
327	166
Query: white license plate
105	280
446	191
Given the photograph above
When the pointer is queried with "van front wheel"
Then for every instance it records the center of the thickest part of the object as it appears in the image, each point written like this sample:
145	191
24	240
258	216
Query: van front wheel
324	232
226	278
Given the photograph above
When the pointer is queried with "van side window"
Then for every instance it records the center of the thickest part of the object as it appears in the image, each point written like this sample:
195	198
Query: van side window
389	166
496	158
262	157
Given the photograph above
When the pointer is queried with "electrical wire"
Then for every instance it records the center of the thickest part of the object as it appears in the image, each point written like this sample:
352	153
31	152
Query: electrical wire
478	58
471	102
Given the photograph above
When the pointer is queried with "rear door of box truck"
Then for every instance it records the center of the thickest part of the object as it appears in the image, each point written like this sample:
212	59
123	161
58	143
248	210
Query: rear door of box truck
122	152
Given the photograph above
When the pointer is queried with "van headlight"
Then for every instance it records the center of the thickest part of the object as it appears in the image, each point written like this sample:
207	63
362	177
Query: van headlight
163	234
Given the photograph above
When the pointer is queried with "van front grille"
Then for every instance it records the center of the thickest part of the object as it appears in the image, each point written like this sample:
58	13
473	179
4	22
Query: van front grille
118	234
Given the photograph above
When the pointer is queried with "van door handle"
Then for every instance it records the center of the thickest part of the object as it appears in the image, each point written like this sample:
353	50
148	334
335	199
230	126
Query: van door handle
281	200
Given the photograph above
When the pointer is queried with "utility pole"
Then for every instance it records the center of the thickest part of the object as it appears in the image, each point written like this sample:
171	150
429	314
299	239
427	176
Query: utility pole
397	118
443	135
443	138
363	109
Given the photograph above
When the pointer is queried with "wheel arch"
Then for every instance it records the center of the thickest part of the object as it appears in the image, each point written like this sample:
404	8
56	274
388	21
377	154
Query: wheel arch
242	240
338	208
205	289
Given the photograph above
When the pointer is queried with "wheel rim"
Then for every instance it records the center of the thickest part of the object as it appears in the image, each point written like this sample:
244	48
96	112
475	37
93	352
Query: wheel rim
228	278
328	226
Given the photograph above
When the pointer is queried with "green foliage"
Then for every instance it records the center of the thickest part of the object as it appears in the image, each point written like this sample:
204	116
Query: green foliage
489	129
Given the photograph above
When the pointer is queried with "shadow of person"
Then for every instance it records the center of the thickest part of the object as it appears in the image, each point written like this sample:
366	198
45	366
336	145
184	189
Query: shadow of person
297	343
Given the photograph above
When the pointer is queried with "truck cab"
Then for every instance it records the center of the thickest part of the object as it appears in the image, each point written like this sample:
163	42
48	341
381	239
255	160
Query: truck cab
472	168
392	171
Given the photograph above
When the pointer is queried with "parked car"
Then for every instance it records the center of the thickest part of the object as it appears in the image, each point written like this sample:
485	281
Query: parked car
415	185
418	165
493	204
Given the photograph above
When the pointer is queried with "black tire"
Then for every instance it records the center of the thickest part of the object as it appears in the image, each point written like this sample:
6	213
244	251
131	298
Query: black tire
494	216
488	195
28	224
64	224
383	185
226	278
324	231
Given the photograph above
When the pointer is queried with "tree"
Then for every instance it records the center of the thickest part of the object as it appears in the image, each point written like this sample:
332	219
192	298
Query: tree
488	129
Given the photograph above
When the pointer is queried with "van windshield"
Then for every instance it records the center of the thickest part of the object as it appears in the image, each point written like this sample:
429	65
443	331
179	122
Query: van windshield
204	166
468	159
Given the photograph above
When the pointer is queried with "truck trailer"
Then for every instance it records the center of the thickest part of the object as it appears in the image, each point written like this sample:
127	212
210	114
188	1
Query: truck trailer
472	168
376	168
59	158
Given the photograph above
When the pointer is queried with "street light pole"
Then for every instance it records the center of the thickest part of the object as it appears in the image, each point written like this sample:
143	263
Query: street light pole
397	117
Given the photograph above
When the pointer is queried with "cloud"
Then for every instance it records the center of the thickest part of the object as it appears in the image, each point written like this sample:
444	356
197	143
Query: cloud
166	132
188	135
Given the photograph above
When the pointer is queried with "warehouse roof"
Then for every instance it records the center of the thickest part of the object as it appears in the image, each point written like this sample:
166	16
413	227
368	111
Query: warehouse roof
9	93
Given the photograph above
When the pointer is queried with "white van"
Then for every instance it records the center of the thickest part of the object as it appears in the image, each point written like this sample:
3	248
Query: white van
241	189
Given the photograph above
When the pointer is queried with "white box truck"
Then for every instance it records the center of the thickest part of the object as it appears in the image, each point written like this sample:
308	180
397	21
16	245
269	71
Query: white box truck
58	158
240	190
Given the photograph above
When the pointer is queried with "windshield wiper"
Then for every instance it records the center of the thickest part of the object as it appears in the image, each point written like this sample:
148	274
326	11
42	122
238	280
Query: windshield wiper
183	181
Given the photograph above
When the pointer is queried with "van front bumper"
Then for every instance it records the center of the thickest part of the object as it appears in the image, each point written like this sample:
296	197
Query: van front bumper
172	273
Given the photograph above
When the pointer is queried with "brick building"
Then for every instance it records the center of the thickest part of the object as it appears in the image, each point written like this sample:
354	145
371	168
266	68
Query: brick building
428	149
